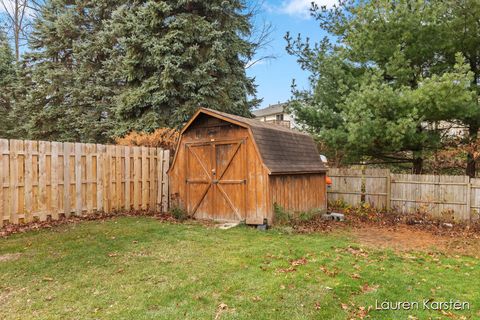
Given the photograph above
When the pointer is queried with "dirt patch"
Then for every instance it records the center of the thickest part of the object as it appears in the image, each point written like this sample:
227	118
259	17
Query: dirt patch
9	256
404	238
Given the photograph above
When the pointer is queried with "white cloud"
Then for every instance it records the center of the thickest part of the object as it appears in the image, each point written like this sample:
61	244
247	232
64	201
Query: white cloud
301	8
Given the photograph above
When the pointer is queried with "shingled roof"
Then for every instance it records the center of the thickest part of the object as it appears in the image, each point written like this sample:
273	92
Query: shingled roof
282	150
270	110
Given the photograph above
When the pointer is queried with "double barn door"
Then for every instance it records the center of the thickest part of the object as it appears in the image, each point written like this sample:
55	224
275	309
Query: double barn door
216	176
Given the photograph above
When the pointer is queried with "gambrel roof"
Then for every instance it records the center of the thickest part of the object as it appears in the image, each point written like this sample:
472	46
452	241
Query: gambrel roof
281	149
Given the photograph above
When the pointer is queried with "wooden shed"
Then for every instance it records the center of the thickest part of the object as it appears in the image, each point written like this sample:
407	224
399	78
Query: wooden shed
230	168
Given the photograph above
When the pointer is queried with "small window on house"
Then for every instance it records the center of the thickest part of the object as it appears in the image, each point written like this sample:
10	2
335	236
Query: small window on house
279	117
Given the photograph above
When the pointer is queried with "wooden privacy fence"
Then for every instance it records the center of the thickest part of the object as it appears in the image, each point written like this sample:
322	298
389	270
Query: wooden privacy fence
41	179
437	194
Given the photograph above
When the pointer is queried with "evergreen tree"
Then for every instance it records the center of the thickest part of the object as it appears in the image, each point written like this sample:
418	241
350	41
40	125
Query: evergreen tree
404	78
99	69
69	91
178	56
7	79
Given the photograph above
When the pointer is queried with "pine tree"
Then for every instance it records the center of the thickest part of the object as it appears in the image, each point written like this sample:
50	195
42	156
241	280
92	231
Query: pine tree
69	90
7	79
396	75
99	69
178	56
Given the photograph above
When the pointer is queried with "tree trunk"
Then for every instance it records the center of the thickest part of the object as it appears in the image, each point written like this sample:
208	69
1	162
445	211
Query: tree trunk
471	162
417	165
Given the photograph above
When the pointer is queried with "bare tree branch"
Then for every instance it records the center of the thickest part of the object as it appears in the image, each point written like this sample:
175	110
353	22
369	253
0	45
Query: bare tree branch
19	14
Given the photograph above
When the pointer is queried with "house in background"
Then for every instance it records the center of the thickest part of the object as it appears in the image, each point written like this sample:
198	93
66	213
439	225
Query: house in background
275	114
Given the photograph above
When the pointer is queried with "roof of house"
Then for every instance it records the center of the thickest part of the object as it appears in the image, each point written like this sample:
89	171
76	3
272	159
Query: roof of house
270	110
282	150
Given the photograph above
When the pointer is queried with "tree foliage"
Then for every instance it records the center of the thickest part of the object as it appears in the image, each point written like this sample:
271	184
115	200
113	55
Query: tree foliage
99	69
7	80
178	56
389	77
165	138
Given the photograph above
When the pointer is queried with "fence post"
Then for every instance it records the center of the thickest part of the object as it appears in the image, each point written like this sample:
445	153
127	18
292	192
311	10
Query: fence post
389	191
469	200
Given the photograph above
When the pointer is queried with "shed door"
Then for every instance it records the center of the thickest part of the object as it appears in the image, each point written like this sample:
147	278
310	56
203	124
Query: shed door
216	180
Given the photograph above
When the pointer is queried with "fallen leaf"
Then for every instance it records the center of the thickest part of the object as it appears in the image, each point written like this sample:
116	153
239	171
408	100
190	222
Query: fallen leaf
47	279
366	288
298	262
328	272
287	270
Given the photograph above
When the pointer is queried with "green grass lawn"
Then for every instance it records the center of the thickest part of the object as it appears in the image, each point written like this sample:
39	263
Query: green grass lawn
141	268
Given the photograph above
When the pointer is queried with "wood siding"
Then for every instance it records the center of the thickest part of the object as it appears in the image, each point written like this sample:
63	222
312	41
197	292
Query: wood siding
198	185
249	200
299	192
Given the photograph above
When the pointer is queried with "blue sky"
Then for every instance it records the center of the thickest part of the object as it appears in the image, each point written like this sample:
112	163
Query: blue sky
274	76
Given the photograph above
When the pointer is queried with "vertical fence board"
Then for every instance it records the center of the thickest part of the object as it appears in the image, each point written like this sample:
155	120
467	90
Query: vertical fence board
67	147
151	179
159	179
55	179
136	177
107	196
474	212
78	179
118	177
144	189
90	186
164	183
100	175
13	183
42	180
3	174
30	148
127	187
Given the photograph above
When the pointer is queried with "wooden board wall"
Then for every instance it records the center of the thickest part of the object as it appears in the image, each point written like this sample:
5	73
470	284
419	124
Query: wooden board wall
346	185
435	194
438	195
213	130
299	192
41	179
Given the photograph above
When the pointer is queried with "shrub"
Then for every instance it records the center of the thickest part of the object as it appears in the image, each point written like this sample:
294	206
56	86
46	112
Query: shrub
178	213
165	138
282	216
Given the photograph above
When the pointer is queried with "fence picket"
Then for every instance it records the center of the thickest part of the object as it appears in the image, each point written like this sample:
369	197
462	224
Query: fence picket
3	175
164	182
144	178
